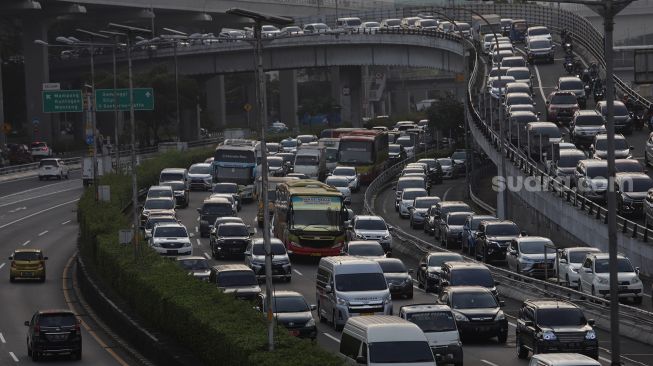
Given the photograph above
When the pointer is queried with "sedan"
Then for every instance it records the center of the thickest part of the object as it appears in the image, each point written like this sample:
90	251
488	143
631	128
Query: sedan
351	174
292	312
400	282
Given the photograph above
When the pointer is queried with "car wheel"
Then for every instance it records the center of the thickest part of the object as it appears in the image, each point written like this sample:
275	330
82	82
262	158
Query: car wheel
77	356
335	325
12	279
484	256
645	158
40	177
288	279
419	282
42	279
502	337
67	176
522	352
411	224
60	177
410	294
637	300
567	280
36	357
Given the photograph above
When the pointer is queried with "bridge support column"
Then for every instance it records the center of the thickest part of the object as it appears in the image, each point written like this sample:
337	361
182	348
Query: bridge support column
37	72
288	102
346	90
251	99
216	101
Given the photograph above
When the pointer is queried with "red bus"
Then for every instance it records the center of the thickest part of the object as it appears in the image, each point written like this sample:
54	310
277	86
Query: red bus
337	132
365	149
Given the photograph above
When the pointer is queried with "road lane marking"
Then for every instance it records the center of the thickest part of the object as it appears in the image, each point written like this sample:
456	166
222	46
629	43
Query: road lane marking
65	222
43	233
207	255
444	196
38	213
90	331
28	190
35	197
13	356
2	338
26	242
196	229
622	357
512	325
489	363
2	265
199	243
332	337
539	80
296	271
18	209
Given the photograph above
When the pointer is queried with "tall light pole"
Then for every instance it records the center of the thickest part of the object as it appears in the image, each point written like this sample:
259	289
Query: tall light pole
129	30
116	133
175	37
259	19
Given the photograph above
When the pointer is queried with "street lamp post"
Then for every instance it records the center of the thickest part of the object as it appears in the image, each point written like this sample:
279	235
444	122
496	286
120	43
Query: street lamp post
259	19
175	37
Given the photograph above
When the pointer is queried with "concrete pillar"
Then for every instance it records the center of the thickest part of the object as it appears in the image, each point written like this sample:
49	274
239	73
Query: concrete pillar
37	72
216	101
355	81
340	92
288	97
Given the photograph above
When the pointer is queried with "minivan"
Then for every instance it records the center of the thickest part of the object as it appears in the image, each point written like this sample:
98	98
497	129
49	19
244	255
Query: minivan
383	340
347	287
562	359
174	175
439	326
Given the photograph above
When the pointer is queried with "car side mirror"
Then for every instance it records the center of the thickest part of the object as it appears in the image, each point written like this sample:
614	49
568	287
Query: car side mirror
10	258
394	188
497	283
423	265
251	230
313	307
411	271
636	270
547	103
328	289
591	322
444	283
361	359
191	235
26	323
502	303
523	233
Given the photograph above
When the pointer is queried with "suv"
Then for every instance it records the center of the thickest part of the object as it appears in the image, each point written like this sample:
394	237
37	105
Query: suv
200	176
40	150
430	267
470	227
211	209
561	106
236	279
591	178
549	325
452	229
440	215
27	263
585	125
467	274
531	256
622	117
52	168
157	206
564	165
181	192
370	228
540	48
439	326
255	259
351	174
230	188
569	262
230	239
477	311
595	277
420	210
599	148
54	332
575	85
171	239
291	311
434	170
632	189
492	239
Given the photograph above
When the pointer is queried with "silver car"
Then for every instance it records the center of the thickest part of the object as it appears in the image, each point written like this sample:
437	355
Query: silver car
408	198
342	185
420	210
365	227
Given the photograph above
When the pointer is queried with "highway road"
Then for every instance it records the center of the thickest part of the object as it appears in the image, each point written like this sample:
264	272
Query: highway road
35	214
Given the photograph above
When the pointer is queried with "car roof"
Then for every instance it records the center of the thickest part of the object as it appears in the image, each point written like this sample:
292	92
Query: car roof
216	200
572	152
408	190
594	162
55	311
190	257
461	264
588	112
501	222
568	78
468	288
159	187
173	170
529	239
452	203
582	249
466	213
369	217
362	242
388	260
27	250
419	308
227	224
550	304
171	224
603	255
232	267
285	293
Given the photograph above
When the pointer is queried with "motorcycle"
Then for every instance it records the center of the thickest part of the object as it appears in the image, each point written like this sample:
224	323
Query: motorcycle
599	93
568	47
569	66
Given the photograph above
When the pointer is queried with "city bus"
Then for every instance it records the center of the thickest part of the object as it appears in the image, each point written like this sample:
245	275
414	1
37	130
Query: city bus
272	195
309	218
337	132
365	149
234	161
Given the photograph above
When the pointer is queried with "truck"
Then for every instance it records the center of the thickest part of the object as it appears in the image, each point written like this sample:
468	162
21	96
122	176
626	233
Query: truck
87	170
480	27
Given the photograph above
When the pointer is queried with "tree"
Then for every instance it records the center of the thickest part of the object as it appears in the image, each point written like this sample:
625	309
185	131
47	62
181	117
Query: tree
447	115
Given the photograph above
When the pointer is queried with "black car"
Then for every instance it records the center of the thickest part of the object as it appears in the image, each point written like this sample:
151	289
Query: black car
277	167
550	325
454	274
54	332
435	170
291	311
493	238
211	209
230	239
400	283
430	266
632	190
477	311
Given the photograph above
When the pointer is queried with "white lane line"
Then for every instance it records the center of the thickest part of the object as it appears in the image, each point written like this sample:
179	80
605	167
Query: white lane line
196	229
28	190
18	209
332	337
38	213
43	233
13	356
199	243
444	196
2	265
65	222
605	359
296	271
39	196
489	363
207	255
26	242
2	338
512	325
539	80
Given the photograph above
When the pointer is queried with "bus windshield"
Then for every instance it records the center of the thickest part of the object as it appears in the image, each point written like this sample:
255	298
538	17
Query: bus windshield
316	213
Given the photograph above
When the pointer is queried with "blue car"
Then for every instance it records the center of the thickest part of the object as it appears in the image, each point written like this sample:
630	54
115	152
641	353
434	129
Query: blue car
468	244
518	31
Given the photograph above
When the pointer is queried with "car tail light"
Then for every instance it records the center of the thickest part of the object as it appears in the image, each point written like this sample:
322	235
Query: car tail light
13	264
77	329
37	329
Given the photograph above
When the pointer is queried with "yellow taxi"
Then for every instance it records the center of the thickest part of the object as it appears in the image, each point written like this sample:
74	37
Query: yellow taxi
27	263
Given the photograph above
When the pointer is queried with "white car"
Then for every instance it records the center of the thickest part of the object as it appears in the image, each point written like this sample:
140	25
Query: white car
447	167
569	261
342	185
171	239
40	150
200	177
351	174
537	32
595	277
365	227
408	199
52	168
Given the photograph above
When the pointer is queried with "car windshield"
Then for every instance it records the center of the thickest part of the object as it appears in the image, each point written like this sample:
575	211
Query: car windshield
425	203
176	186
306	160
563	99
577	256
200	169
629	166
405	141
496	71
159	204
574	84
27	256
569	161
619	144
38	144
538	32
366	250
331	155
360	282
558	317
274	162
57	320
337	182
375	224
496	83
289	143
225	188
540	43
633	184
217	209
589	120
438	260
411	195
344	171
512	62
536	247
395	148
155	220
232	230
277	249
194	264
473	300
477	221
551	131
456	219
597	171
623	264
401	352
516	89
392	266
237	278
166	177
289	304
371	25
620	110
154	193
459	155
393	22
519	74
428	23
48	162
410	183
433	321
170	232
513	100
472	277
502	230
445	162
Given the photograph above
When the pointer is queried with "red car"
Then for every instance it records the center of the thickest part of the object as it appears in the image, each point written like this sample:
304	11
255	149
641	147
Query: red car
560	106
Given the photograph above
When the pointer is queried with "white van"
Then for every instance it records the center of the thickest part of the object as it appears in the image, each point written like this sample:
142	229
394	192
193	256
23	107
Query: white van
348	287
348	23
174	175
383	340
439	326
311	160
562	359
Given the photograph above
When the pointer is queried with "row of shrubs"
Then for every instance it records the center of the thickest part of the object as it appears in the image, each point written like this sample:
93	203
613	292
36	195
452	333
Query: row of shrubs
216	327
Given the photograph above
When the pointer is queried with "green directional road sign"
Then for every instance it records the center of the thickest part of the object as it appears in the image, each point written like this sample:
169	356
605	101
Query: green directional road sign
143	99
55	101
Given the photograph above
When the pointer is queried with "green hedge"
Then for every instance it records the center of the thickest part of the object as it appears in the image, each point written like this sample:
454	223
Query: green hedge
217	328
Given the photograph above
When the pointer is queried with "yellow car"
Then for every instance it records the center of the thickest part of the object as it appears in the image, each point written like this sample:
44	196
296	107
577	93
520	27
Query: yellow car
27	264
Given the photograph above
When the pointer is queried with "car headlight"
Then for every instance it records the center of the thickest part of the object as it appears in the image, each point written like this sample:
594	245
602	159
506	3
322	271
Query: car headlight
310	323
360	236
186	245
548	336
602	280
156	244
433	275
342	302
387	301
635	281
590	334
500	316
494	243
460	317
386	237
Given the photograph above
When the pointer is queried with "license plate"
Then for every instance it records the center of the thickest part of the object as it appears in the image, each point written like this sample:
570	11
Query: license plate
59	337
623	287
316	255
367	314
294	333
27	274
482	329
172	251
